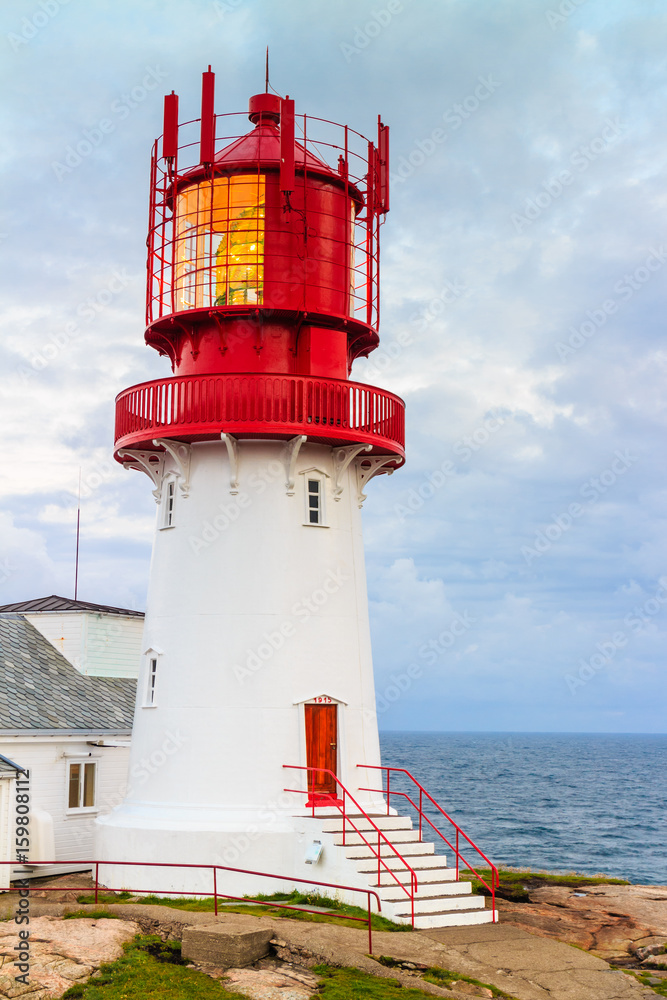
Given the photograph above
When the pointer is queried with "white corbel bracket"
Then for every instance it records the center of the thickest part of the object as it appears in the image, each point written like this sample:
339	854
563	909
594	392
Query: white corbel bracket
369	467
341	460
290	453
180	453
150	462
232	446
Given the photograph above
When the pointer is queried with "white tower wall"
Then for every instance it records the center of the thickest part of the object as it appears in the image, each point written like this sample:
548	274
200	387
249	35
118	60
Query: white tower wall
252	613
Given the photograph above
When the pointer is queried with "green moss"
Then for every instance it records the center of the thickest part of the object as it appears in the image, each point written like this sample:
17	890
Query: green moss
352	984
147	970
660	989
91	914
442	977
517	885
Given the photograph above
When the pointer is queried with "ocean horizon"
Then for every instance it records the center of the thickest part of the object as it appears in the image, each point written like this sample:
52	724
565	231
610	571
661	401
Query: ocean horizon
587	802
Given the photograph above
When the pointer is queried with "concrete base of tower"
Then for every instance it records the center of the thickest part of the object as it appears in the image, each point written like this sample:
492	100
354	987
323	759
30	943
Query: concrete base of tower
167	855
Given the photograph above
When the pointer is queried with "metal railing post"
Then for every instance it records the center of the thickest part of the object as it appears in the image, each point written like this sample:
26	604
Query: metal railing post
379	857
421	812
388	790
370	930
215	889
97	879
457	854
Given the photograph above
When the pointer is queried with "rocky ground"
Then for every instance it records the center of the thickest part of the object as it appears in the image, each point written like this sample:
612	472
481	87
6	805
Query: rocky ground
625	925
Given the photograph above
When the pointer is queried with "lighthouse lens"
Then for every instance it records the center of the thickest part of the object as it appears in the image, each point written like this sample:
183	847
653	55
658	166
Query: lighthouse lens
220	243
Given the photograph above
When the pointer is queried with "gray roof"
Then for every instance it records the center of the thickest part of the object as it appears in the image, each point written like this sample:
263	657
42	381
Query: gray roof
8	766
40	690
55	603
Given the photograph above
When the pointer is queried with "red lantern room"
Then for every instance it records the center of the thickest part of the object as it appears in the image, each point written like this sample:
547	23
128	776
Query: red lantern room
263	259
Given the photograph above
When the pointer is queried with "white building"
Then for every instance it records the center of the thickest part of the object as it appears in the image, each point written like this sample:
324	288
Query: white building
69	728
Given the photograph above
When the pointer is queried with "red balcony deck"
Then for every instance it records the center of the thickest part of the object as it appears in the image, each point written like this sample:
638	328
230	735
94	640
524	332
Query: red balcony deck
198	408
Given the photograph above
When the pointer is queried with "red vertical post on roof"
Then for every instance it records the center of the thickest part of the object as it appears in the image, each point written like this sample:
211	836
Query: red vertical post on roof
207	141
383	172
286	145
170	130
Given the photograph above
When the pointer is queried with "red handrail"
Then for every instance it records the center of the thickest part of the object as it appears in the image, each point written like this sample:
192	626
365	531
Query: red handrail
495	879
216	894
346	819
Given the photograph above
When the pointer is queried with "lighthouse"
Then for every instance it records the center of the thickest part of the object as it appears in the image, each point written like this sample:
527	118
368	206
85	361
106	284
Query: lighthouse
255	725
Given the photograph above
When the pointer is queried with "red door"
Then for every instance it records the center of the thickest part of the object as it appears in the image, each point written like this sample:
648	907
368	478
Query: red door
321	750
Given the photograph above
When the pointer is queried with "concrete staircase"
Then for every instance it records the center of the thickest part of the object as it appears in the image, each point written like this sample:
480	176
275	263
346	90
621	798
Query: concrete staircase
440	901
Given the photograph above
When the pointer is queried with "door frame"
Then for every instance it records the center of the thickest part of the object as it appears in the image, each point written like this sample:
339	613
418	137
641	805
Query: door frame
323	699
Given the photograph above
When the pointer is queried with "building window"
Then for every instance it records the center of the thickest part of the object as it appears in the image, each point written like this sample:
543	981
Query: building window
151	682
168	501
81	785
314	487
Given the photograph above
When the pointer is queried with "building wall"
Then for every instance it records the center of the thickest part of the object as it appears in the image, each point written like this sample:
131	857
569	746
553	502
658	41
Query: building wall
47	759
97	644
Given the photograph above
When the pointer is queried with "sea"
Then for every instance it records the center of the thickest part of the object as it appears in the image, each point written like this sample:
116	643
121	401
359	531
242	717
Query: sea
560	802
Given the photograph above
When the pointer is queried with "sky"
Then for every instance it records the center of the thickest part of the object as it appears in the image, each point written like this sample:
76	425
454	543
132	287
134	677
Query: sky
517	564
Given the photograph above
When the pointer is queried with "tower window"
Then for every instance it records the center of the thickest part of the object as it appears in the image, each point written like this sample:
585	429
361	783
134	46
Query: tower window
81	785
314	501
168	503
151	682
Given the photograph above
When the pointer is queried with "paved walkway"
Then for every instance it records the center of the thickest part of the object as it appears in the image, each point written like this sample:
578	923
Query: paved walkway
525	966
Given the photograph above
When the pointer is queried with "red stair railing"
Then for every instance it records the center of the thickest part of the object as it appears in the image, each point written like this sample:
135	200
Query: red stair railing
388	792
341	805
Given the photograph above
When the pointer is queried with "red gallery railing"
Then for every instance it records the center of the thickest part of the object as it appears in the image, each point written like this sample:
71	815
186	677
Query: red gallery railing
382	839
199	407
423	794
216	894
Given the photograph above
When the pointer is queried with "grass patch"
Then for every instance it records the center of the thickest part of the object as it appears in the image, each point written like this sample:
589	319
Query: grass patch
441	977
660	989
92	914
150	968
351	984
517	885
342	910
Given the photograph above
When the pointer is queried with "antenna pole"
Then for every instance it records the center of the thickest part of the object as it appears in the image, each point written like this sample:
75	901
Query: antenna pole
78	529
267	69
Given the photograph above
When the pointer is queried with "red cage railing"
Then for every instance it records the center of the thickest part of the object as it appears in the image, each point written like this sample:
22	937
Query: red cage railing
423	794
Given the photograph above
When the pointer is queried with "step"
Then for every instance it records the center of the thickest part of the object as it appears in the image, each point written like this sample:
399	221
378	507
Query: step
455	918
384	823
442	904
422	863
396	837
426	890
416	849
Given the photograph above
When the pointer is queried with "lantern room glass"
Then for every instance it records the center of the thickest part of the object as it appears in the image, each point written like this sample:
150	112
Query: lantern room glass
220	243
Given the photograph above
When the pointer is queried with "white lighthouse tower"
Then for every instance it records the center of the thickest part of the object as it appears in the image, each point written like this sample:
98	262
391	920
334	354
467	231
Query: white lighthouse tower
255	732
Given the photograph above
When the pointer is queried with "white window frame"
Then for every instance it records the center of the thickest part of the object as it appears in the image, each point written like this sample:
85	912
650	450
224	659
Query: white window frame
315	475
151	678
81	810
168	503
